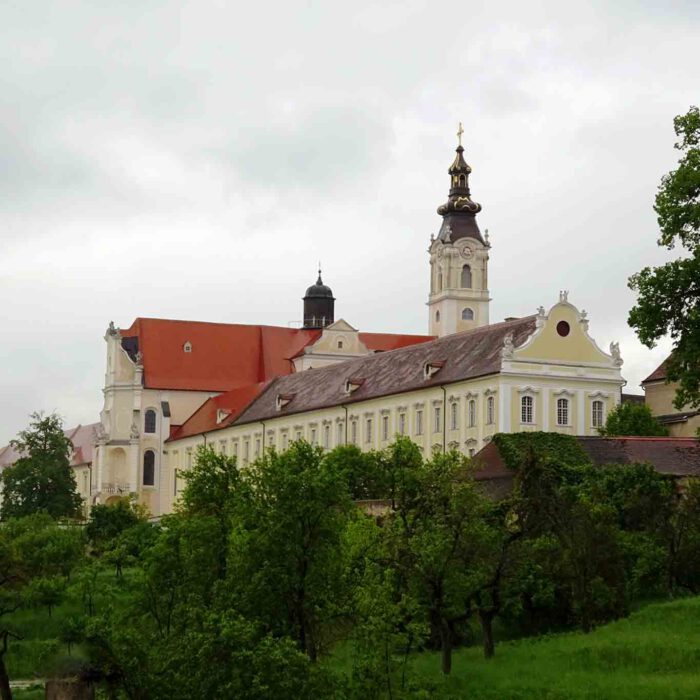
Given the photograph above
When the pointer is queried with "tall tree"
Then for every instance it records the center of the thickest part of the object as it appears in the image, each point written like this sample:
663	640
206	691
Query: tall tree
668	297
41	480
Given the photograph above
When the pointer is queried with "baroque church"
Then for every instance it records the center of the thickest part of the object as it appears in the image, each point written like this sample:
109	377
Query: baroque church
172	386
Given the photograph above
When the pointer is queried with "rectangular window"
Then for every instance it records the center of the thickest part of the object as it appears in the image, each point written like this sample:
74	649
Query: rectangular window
235	449
597	414
368	430
246	451
490	410
341	434
419	422
438	419
271	439
298	437
385	427
189	459
327	436
175	482
353	432
257	447
285	441
526	409
453	416
222	447
313	436
472	413
562	411
402	423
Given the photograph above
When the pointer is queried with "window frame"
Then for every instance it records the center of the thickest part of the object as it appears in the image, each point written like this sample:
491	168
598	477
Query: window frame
527	406
597	422
151	466
563	411
147	414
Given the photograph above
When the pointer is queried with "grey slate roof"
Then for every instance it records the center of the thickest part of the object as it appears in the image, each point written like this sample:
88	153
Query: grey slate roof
465	355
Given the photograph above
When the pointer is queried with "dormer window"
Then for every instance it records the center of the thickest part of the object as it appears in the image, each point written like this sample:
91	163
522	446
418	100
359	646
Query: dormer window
430	369
283	400
353	384
187	347
221	414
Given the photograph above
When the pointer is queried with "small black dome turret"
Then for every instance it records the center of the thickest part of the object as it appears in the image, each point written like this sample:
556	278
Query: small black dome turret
319	305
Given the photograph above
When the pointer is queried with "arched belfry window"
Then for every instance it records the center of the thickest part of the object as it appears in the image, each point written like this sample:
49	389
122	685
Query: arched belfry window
149	468
466	277
462	180
467	314
149	421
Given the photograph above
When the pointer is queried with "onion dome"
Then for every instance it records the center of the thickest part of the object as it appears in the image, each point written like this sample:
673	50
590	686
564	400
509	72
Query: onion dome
319	305
459	212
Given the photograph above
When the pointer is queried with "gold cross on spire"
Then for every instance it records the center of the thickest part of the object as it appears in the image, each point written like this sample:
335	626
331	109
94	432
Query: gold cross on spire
460	131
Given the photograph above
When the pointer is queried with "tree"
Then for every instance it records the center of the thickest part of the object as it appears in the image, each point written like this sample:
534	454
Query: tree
32	549
41	480
285	554
632	419
668	296
108	521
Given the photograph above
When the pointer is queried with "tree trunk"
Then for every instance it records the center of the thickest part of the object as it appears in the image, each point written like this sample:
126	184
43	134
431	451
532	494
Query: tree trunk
486	620
446	647
5	691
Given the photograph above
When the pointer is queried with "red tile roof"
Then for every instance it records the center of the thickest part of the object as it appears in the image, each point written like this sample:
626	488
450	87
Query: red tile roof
658	375
204	419
225	356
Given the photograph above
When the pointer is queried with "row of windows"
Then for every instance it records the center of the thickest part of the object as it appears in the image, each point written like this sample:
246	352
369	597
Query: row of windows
527	411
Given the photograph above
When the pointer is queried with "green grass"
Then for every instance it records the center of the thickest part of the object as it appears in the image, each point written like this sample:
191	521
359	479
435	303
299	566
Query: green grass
653	654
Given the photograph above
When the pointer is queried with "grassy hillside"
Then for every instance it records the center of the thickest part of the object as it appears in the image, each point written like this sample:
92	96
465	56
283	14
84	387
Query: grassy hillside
653	654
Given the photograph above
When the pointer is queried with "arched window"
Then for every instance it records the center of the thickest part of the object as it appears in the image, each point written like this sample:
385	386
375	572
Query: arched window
149	468
526	409
472	412
490	406
466	277
437	317
562	411
467	314
462	180
597	414
149	421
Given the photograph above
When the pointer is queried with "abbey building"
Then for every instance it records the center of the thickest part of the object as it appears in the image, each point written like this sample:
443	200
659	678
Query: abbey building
171	386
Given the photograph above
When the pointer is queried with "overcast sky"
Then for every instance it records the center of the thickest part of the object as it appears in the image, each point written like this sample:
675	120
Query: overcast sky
194	160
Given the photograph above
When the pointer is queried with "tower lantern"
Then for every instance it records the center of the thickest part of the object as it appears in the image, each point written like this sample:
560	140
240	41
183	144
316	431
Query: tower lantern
319	304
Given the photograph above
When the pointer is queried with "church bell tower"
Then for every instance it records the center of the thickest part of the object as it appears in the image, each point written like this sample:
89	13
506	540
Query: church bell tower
459	258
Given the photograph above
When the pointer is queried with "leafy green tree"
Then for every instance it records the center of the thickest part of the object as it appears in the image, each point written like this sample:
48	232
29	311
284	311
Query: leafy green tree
41	480
684	565
285	556
632	419
28	551
108	521
668	296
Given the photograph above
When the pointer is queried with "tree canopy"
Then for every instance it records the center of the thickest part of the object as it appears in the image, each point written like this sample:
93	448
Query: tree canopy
42	479
632	419
668	296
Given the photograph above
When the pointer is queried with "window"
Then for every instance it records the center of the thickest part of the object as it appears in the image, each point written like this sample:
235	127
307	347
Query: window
246	452
385	427
402	423
187	347
439	284
313	436
438	419
149	421
467	314
353	432
563	328
437	317
285	441
298	435
341	434
327	436
490	410
472	411
453	416
419	422
597	414
235	449
526	412
189	458
466	277
257	447
471	451
562	411
175	481
270	439
149	468
340	345
222	448
368	430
